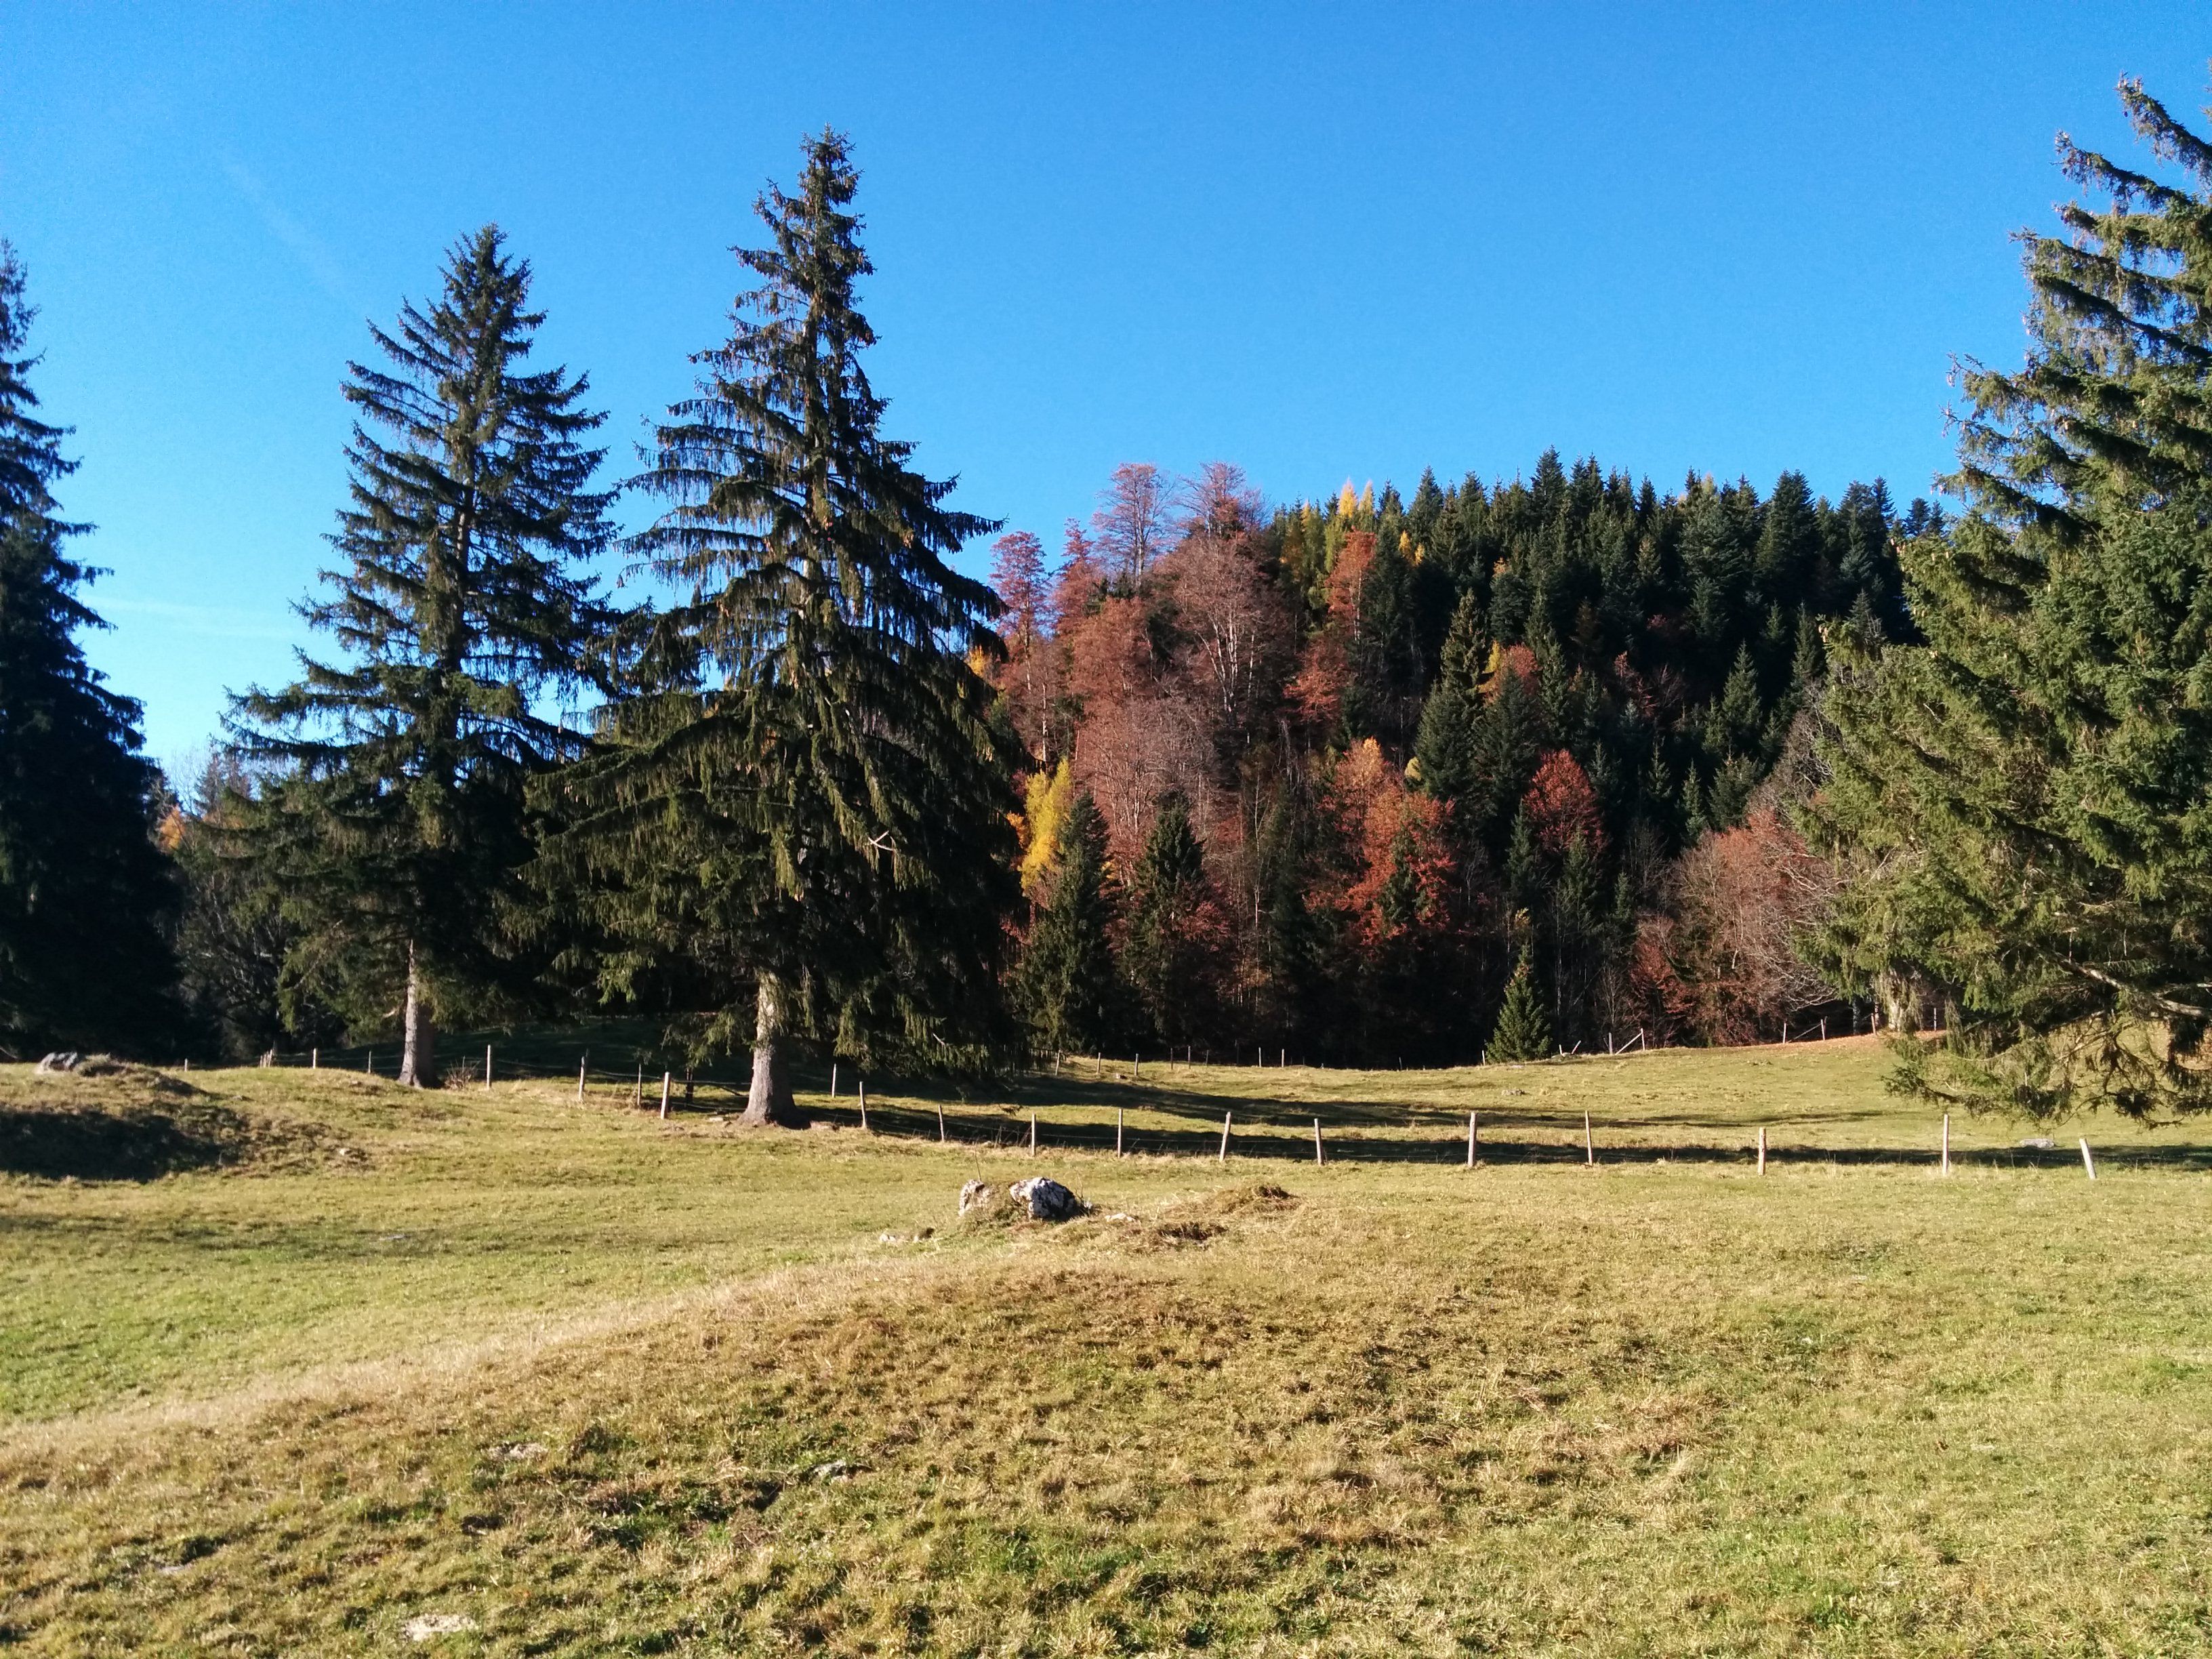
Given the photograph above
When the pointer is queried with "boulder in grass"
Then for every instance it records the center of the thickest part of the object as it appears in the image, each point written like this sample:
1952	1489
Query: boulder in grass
1046	1200
68	1060
1040	1198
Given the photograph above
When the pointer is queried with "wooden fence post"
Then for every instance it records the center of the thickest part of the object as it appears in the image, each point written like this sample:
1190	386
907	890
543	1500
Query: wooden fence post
314	1060
664	1096
1947	1143
487	1068
581	1060
1317	1157
1762	1149
1033	1131
1470	1140
1119	1115
2087	1162
1589	1147
1225	1137
369	1065
833	1080
940	1123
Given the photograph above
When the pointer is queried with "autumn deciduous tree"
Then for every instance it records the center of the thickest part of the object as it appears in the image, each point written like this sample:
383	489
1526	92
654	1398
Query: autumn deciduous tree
1324	677
1723	959
1563	808
1141	736
1130	524
1234	630
1029	676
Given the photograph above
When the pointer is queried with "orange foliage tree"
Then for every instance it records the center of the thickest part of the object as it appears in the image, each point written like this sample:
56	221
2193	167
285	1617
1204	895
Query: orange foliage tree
1720	959
1562	806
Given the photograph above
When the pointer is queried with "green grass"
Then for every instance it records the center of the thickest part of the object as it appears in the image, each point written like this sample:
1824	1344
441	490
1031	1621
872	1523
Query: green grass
601	1384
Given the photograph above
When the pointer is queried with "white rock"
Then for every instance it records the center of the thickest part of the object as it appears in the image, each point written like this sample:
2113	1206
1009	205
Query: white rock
68	1060
428	1626
1046	1200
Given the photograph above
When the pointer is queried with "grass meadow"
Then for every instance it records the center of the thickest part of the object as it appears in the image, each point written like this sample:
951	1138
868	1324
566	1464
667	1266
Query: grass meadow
298	1362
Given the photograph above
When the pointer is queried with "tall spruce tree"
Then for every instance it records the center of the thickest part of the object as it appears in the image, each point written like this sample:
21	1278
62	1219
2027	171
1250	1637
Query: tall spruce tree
810	809
400	823
1521	1033
84	891
2023	800
1166	957
1066	979
1444	749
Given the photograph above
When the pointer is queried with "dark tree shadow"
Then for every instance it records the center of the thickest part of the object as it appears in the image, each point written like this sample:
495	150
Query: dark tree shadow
1284	1138
92	1143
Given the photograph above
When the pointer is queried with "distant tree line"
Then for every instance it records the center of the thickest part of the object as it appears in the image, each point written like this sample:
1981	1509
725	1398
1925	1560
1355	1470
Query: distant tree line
1328	777
1493	769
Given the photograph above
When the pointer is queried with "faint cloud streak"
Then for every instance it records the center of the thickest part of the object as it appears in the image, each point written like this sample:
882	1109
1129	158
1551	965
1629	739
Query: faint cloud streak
320	264
208	620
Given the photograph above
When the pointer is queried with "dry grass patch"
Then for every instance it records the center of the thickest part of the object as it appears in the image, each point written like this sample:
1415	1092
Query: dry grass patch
1377	1407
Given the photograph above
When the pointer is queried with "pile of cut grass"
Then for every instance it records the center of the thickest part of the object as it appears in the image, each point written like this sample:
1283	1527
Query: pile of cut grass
1381	1407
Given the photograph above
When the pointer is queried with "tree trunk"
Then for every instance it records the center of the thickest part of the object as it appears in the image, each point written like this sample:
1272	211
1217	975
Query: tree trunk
1896	996
770	1100
418	1061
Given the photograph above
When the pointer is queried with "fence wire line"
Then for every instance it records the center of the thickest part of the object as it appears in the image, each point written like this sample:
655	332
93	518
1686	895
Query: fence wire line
1012	1134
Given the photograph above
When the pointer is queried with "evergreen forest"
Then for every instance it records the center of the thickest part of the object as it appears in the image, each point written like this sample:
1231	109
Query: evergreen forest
1468	768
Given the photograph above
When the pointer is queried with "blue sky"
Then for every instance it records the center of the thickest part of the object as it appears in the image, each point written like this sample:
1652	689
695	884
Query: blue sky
1321	242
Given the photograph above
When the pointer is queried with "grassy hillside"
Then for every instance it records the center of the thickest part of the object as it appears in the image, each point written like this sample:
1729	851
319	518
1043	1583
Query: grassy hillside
333	1357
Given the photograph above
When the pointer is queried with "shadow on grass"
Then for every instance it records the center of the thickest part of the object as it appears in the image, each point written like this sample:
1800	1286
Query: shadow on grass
90	1143
1279	1142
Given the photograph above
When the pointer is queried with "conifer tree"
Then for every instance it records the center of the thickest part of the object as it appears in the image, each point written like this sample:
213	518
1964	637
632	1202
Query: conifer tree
1576	926
84	891
807	802
400	826
1521	1033
1164	958
2022	797
2113	407
1507	743
1445	747
1066	979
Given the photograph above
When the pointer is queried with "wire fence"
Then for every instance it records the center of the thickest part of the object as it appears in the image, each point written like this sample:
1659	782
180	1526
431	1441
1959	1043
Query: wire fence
1253	1131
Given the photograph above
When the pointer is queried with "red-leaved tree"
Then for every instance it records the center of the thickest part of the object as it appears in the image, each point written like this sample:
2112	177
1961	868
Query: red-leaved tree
1719	961
1562	806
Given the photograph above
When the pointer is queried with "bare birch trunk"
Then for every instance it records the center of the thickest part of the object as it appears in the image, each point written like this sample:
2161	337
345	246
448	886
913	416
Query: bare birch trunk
418	1061
770	1100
